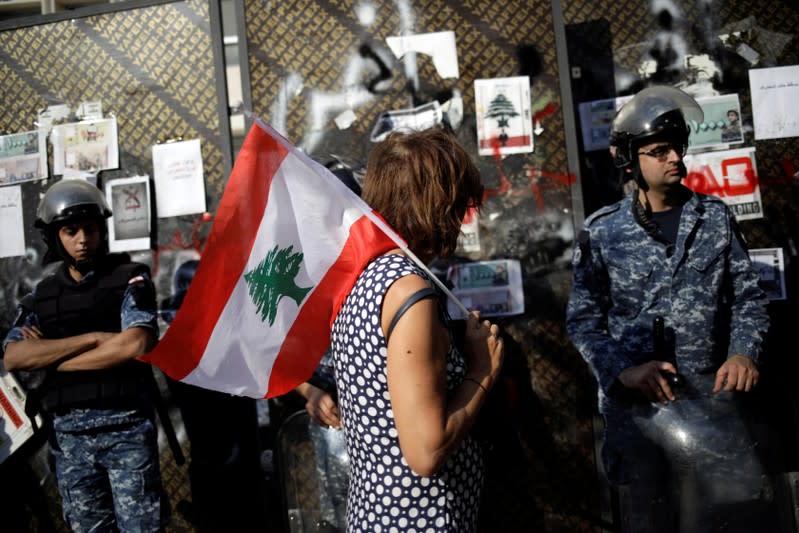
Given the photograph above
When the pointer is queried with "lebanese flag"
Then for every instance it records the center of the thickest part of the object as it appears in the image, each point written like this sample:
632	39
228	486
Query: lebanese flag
287	244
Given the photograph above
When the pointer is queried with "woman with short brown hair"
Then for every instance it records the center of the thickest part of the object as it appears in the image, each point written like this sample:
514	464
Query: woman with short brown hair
408	397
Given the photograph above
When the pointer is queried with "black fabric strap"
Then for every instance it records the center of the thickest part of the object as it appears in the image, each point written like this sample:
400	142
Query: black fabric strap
412	299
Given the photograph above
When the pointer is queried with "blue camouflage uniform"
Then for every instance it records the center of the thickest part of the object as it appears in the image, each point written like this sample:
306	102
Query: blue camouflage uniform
107	461
705	289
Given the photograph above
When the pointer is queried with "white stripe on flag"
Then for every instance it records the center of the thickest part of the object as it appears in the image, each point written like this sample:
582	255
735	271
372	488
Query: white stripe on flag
306	211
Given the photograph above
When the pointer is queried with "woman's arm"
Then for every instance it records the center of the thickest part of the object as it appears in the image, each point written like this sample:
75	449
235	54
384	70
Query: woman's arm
431	424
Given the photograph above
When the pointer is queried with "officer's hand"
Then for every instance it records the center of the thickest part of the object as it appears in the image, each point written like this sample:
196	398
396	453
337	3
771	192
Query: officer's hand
738	373
321	407
647	379
31	332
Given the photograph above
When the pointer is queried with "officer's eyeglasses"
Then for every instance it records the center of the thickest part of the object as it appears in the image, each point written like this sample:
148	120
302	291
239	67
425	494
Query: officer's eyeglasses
661	152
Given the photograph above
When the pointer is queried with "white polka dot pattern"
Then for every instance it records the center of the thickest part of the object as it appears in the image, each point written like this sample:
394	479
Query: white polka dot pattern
384	493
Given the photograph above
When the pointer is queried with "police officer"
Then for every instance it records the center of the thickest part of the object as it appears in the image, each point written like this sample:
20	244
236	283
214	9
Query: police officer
665	252
87	323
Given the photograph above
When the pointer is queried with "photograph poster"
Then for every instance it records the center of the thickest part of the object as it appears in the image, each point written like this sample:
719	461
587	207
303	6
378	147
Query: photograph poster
129	226
492	287
504	116
89	145
721	125
23	157
12	230
179	182
770	266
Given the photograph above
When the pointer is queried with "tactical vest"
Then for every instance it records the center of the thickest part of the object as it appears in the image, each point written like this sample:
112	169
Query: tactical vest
65	309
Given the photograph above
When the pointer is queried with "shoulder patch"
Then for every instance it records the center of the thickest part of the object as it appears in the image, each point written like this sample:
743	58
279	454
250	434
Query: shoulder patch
583	249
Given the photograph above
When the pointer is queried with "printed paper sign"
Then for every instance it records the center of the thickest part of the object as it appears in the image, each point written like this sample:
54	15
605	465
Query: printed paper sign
469	238
15	426
12	231
504	116
23	157
89	145
775	92
492	287
179	183
129	226
419	118
731	175
770	265
595	121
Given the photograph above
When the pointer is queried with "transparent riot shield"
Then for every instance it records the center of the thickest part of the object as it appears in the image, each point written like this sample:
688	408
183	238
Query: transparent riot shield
314	473
698	466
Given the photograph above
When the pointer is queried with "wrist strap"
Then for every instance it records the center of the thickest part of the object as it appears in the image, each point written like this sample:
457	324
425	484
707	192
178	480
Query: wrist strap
467	378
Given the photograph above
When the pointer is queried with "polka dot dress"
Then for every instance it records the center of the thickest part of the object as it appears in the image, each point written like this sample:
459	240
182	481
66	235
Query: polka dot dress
385	495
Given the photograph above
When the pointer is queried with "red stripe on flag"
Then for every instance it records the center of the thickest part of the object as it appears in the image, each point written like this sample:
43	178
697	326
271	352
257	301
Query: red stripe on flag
309	335
225	256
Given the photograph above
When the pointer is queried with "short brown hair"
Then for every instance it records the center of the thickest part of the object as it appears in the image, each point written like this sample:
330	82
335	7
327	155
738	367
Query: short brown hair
422	183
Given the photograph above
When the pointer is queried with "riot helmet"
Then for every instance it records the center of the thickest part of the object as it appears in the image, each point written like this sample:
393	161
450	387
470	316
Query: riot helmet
70	201
655	112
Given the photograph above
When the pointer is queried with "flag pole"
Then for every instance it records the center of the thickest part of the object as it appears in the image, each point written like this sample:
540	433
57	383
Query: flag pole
412	256
379	222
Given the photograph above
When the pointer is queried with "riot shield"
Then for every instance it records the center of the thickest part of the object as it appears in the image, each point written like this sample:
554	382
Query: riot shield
699	466
314	474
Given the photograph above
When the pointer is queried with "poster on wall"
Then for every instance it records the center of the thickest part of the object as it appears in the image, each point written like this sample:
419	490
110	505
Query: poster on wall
12	230
731	175
469	238
23	157
178	174
419	118
89	145
504	116
770	266
129	226
15	425
596	119
721	125
492	287
775	92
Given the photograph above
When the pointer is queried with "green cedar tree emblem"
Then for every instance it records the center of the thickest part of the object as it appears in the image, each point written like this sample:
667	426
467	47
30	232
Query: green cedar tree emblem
273	279
501	109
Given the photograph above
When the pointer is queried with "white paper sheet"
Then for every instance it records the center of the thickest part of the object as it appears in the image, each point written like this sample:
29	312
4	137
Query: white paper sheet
775	92
12	232
439	45
179	182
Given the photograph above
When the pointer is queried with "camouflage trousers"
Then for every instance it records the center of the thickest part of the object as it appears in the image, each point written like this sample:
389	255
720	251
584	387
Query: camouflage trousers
110	479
